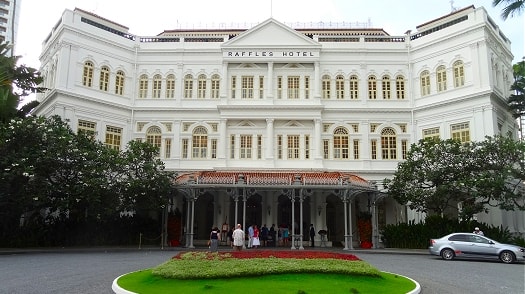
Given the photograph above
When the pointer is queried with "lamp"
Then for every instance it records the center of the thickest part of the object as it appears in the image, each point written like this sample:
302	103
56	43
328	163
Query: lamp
319	209
269	208
220	209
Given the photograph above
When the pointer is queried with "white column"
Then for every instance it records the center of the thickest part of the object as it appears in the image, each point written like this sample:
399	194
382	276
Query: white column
317	80
223	140
317	142
176	140
269	81
269	139
224	81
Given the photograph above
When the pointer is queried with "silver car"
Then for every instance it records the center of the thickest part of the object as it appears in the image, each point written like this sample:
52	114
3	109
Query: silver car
469	245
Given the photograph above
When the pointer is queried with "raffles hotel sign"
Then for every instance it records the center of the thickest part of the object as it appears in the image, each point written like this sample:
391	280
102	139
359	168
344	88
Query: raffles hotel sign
270	54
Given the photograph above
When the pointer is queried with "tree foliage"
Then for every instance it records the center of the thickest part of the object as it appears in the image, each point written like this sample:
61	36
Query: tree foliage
511	7
50	174
16	81
439	174
516	100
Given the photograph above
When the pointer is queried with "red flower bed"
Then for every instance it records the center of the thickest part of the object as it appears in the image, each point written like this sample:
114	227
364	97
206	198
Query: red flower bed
306	254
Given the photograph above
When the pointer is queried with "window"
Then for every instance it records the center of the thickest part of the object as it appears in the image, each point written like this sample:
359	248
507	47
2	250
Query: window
113	137
326	149
459	74
232	146
306	87
431	133
340	87
188	86
373	148
104	79
306	146
119	83
425	83
356	149
87	127
170	86
87	75
201	91
157	86
326	86
385	86
279	87
279	147
233	86
341	147
184	148
247	87
259	146
200	142
404	149
354	88
372	87
261	87
293	87
246	147
441	78
388	144
143	86
167	148
460	132
214	148
153	136
293	147
400	87
215	86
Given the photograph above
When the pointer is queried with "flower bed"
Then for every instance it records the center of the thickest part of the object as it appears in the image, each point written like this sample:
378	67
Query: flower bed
213	265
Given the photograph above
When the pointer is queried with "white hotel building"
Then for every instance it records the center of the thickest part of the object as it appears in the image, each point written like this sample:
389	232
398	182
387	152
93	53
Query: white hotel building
280	125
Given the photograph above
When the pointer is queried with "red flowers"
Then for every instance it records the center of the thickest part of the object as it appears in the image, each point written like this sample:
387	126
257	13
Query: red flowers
299	254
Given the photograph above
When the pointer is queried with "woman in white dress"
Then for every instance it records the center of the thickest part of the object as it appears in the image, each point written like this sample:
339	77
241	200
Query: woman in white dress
256	233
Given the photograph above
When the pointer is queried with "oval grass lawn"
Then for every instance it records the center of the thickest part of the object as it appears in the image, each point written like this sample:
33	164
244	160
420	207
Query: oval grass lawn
264	271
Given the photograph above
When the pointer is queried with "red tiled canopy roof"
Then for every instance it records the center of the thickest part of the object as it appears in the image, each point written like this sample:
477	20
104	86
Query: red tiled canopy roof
271	178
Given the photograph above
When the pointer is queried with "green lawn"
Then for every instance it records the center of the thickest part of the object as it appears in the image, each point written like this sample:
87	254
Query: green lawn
201	272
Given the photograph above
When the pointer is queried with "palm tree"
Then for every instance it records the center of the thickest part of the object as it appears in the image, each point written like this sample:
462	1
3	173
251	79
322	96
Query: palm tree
16	81
516	100
513	7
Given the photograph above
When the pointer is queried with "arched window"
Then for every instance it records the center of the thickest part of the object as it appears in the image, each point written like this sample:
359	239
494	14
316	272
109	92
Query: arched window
87	75
400	87
341	147
372	87
157	86
441	78
459	74
215	86
385	86
201	93
119	83
340	87
170	86
354	87
104	79
388	143
326	86
188	86
143	86
425	83
200	142
154	136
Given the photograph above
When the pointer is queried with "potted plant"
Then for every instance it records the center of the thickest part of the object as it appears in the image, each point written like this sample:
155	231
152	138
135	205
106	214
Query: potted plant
364	228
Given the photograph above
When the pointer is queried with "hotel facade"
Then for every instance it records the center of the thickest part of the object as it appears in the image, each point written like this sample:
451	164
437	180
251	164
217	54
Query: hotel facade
280	124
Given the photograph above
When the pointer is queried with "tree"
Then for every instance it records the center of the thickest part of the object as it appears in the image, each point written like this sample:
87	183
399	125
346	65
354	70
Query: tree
513	7
516	101
440	174
16	81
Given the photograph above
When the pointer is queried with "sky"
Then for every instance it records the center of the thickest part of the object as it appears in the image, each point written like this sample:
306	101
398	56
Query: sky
149	18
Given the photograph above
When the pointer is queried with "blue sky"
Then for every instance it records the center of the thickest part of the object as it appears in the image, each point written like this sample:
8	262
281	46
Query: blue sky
149	18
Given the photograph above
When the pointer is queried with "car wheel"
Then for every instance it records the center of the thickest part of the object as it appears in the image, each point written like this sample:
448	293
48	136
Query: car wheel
507	257
447	254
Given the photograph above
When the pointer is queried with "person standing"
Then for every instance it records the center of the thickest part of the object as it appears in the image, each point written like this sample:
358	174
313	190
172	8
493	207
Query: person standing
273	236
286	235
256	242
230	237
477	231
250	236
214	239
238	238
312	235
264	235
